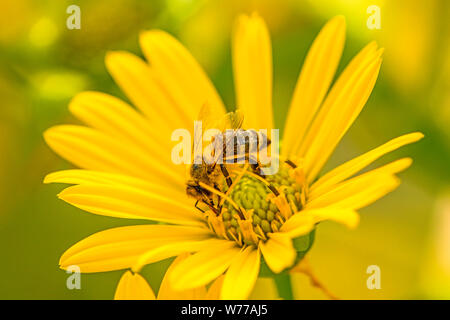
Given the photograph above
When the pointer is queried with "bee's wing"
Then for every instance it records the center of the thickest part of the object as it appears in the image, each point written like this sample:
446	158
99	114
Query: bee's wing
205	115
232	120
204	121
229	121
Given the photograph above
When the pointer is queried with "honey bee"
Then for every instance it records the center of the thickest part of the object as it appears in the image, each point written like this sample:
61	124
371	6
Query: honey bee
228	146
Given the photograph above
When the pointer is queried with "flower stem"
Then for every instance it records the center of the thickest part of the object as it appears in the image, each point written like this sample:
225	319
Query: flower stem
284	286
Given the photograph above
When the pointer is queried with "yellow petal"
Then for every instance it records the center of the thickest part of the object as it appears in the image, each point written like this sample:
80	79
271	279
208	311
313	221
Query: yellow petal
347	217
241	275
214	290
89	177
297	225
252	67
313	82
145	90
166	292
382	185
355	165
179	73
119	248
116	118
91	149
133	287
341	110
362	190
172	249
278	252
123	202
302	145
203	266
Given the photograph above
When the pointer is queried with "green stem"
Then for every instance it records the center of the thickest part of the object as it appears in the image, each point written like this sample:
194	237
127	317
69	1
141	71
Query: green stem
284	286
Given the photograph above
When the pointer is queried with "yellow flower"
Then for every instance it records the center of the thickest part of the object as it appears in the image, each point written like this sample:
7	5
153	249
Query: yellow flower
127	172
132	286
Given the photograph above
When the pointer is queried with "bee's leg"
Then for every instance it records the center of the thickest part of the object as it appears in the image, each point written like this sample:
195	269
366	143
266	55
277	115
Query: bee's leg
206	200
229	183
201	210
212	168
256	165
274	190
291	164
226	175
219	198
211	206
210	203
256	168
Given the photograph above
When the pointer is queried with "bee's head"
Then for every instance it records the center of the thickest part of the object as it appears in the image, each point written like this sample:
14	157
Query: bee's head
195	191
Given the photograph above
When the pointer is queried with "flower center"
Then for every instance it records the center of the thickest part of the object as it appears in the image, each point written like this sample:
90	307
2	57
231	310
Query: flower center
263	209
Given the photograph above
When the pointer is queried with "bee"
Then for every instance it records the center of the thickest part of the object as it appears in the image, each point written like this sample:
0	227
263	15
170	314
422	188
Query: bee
228	146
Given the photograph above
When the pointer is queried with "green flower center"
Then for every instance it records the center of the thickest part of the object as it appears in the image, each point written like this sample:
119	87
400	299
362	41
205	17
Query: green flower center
255	197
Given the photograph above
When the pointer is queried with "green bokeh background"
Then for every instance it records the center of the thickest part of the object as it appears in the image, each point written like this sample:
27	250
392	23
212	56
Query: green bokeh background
43	65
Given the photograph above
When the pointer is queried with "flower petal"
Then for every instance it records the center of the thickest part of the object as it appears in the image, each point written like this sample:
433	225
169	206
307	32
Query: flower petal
182	77
118	119
119	248
142	86
90	177
297	225
278	252
241	275
302	145
91	149
348	217
304	221
313	82
130	203
133	287
340	108
252	67
362	190
203	266
353	166
214	290
166	292
172	249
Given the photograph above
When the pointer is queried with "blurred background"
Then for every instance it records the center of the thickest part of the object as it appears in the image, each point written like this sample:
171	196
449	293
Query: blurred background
43	64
